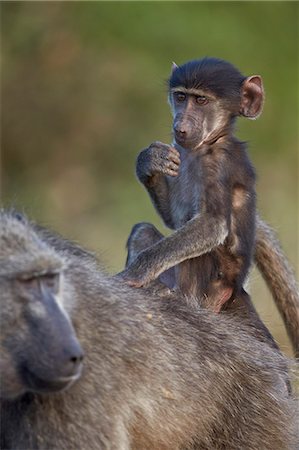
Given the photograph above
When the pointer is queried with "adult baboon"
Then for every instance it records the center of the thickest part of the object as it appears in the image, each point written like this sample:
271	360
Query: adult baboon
159	374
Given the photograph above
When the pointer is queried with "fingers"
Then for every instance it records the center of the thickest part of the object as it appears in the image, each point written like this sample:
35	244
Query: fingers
170	172
160	158
174	155
171	169
167	158
167	151
134	283
124	277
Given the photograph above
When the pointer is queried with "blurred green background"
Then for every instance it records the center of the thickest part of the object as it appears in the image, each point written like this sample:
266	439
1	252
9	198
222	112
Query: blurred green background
83	91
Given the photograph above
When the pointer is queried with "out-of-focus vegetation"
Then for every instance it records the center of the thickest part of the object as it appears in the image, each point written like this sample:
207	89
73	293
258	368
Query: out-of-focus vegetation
83	91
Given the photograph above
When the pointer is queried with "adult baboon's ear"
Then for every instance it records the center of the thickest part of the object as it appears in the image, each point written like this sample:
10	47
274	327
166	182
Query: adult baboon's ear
173	67
252	97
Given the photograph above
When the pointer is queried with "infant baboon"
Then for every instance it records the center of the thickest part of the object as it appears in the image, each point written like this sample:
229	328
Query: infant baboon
158	374
203	187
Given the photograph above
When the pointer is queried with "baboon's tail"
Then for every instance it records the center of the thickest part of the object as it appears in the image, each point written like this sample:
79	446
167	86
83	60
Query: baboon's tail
280	279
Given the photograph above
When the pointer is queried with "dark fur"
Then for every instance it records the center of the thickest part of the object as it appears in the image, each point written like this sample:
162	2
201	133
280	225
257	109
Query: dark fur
210	198
204	189
209	74
159	374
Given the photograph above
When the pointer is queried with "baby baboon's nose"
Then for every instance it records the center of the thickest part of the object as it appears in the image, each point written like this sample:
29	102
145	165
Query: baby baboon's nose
180	131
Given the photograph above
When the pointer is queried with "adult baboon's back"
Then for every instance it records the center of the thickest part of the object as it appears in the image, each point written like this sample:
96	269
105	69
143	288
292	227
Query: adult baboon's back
158	373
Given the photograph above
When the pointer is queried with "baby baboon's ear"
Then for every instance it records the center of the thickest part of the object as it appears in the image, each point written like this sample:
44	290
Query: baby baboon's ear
252	97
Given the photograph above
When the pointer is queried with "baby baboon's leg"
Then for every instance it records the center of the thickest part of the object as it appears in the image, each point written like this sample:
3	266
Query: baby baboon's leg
142	236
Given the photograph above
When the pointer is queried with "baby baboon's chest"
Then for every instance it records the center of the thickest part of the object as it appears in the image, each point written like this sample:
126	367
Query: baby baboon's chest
185	189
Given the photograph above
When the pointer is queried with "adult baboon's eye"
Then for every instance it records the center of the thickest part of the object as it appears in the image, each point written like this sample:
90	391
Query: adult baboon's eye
33	284
29	283
179	96
202	100
51	280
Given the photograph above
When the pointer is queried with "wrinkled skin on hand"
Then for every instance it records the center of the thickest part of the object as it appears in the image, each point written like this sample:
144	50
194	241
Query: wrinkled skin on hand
159	158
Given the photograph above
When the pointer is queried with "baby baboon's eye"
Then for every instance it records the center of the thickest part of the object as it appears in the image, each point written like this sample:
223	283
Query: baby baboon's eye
202	100
179	96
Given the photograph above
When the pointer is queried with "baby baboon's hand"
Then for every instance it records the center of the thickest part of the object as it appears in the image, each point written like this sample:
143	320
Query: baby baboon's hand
138	273
128	278
158	158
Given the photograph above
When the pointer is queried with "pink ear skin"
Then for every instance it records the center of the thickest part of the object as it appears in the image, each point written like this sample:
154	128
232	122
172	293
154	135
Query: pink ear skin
173	67
252	97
